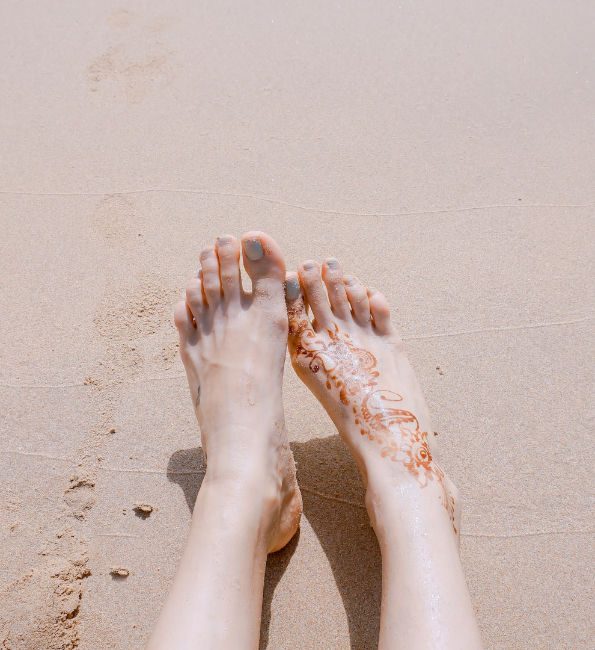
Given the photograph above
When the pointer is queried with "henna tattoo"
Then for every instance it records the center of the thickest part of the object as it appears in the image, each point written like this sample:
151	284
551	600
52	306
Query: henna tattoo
353	373
197	399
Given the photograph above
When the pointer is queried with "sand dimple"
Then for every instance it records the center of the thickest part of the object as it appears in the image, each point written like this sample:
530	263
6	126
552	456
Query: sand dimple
132	75
46	601
79	496
169	354
120	18
139	314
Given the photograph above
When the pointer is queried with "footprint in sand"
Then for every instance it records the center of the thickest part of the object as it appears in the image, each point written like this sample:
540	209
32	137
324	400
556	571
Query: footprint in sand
130	76
136	67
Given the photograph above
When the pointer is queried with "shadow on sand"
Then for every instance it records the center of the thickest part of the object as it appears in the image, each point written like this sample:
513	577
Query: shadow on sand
333	504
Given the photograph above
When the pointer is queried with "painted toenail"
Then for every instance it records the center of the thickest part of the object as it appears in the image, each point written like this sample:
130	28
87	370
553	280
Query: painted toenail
332	263
253	249
350	280
223	241
308	266
292	289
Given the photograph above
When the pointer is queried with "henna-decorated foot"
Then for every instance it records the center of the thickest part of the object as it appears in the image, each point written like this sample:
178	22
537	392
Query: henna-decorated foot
353	360
233	345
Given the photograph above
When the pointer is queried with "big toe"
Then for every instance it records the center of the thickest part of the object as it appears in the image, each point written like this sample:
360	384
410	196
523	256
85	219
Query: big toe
265	265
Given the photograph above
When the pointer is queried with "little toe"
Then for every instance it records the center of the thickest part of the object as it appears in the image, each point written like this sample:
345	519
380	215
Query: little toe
194	298
332	274
296	307
183	321
228	254
380	310
210	276
264	264
358	299
311	281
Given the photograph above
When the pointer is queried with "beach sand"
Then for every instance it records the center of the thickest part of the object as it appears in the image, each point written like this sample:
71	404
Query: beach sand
442	151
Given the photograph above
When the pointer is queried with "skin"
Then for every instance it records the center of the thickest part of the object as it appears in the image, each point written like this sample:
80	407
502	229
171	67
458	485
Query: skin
353	360
233	346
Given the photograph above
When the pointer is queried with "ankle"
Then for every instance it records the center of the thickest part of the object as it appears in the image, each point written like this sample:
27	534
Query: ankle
225	513
249	493
396	503
245	483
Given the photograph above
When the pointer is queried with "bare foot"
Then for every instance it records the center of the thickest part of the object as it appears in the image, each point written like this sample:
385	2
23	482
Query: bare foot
353	360
233	345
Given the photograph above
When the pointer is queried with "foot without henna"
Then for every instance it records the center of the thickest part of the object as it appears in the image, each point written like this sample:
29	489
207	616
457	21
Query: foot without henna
232	344
352	359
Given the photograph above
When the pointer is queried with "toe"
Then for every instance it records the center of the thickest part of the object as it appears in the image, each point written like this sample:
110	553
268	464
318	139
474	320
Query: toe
264	264
194	298
380	310
296	310
184	322
228	254
210	276
332	274
358	299
310	279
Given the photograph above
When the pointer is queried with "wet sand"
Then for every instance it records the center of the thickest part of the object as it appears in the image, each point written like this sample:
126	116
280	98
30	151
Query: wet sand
443	153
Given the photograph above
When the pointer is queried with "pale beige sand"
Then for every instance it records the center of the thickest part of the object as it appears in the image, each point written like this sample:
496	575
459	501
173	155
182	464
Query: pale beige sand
443	151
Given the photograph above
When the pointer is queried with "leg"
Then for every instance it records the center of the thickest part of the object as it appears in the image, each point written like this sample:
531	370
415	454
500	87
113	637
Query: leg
353	361
233	348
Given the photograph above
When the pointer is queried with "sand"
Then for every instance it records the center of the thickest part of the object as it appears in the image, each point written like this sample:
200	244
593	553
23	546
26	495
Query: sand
442	151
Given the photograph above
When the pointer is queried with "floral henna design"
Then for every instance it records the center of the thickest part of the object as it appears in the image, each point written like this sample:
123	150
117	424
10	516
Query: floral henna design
352	372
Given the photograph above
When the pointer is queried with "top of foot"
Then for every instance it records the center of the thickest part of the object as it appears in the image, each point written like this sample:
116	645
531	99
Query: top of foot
232	343
351	357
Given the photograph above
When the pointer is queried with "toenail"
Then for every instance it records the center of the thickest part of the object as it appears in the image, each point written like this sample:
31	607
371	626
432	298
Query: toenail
308	266
332	263
253	249
206	253
223	241
350	280
292	289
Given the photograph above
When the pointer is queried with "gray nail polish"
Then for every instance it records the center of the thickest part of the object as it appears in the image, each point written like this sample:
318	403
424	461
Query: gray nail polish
223	241
308	266
332	263
253	249
292	289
